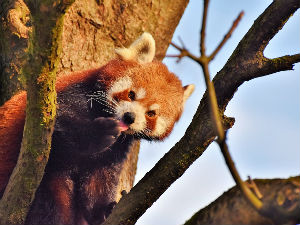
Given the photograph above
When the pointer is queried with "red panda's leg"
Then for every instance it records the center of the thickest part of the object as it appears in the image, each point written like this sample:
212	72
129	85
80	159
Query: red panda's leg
62	190
96	195
102	133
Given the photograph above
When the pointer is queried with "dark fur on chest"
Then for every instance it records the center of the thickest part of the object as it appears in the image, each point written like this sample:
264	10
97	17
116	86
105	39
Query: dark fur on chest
81	175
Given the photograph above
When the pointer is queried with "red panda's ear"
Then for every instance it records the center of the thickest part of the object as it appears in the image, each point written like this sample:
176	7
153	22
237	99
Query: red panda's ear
141	50
187	91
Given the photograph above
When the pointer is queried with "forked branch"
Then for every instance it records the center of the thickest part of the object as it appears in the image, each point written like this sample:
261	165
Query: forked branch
268	64
203	60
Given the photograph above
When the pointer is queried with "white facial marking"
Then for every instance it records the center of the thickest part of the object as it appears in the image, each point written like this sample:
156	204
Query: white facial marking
154	107
119	86
139	111
141	93
161	126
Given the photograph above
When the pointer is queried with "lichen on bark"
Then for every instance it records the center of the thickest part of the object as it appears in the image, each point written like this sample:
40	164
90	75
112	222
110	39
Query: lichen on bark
40	73
14	29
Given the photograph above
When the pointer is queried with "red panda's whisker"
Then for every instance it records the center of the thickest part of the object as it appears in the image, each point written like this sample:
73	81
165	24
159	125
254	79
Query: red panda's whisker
105	96
109	109
115	102
144	134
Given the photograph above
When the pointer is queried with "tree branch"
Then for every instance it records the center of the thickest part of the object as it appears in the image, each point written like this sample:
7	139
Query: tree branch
204	61
203	27
183	52
279	64
267	25
249	195
40	73
278	193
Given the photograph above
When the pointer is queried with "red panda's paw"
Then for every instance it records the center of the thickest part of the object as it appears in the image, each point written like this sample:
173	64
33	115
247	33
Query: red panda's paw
104	133
107	126
109	209
98	213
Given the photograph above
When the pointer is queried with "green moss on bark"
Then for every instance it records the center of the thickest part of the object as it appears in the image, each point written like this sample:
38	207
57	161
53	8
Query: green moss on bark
40	73
13	40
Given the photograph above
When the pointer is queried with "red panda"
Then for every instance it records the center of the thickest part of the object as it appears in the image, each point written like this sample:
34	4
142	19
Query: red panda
101	112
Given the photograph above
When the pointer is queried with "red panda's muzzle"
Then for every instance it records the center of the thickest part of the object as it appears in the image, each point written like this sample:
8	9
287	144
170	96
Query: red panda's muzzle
128	118
123	126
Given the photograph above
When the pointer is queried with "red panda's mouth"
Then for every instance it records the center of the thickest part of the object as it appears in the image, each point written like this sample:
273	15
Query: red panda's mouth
123	126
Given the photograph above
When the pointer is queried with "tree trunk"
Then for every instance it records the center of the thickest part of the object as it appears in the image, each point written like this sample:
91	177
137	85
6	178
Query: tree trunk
39	70
14	31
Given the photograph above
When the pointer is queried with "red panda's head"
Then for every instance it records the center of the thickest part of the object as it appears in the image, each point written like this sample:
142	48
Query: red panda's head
146	97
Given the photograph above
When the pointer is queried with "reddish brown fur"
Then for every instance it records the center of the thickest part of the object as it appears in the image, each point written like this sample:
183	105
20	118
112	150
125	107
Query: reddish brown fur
62	190
152	77
170	93
12	119
162	87
151	123
12	113
121	96
115	69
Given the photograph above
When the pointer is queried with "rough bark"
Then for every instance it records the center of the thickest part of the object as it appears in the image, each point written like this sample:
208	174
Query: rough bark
232	208
91	31
246	63
39	70
14	28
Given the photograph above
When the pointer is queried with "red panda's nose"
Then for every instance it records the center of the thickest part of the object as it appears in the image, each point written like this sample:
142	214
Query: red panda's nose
128	118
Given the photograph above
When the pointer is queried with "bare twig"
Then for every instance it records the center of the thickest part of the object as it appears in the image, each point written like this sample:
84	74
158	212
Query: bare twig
204	60
203	27
184	52
252	185
182	43
227	36
256	203
268	65
213	102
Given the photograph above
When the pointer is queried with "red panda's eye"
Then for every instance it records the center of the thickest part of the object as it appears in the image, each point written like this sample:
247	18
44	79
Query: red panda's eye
131	95
151	113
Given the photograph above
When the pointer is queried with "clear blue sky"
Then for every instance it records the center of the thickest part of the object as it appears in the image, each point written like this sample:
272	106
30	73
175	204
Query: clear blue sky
264	141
